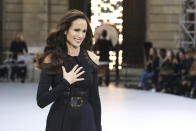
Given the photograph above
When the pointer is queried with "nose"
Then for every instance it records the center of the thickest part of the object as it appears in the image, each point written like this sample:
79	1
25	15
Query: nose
81	34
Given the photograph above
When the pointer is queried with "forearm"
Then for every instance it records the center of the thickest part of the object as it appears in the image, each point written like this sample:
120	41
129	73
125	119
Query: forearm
46	96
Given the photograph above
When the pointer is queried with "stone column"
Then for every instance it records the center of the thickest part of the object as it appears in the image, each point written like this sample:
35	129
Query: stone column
35	24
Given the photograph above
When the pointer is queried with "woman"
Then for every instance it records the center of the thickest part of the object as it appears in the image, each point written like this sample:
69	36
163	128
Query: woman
179	73
189	83
181	62
71	70
18	47
166	77
151	69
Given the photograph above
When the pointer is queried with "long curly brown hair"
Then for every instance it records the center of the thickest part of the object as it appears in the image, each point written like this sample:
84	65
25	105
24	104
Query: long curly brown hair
56	42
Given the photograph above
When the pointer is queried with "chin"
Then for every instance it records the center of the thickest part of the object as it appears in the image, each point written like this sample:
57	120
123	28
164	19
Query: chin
77	45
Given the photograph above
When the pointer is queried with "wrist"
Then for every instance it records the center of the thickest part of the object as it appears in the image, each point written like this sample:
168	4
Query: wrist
68	80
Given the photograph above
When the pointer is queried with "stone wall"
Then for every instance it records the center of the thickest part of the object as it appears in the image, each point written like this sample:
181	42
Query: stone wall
34	18
163	22
56	9
12	20
35	23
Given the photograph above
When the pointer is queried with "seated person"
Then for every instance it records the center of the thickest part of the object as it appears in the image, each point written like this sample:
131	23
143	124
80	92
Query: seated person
151	69
189	82
165	80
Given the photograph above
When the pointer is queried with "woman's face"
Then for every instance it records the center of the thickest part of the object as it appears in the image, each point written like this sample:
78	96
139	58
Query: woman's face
76	33
151	51
18	37
181	55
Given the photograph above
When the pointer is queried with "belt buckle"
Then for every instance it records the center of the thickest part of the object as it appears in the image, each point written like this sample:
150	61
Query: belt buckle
76	101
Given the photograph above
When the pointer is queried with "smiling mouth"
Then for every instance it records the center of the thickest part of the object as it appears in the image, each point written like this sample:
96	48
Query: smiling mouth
78	40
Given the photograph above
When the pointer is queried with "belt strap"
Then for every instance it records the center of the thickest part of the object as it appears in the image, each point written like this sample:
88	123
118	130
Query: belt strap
76	94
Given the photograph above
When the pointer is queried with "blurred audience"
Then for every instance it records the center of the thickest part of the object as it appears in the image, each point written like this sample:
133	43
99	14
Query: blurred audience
175	73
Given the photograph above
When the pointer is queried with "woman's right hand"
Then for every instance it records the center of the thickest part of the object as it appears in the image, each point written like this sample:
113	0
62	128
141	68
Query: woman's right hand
73	75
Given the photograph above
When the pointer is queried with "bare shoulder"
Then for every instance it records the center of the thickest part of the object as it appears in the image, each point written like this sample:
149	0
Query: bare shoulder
93	57
47	59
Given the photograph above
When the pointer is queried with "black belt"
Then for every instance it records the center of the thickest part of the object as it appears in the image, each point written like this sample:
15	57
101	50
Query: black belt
72	101
76	99
75	102
79	94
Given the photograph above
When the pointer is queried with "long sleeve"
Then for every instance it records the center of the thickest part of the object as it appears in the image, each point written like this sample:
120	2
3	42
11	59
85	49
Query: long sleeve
155	65
25	47
95	100
46	96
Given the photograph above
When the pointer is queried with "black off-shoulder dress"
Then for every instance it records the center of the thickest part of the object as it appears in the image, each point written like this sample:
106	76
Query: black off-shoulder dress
54	89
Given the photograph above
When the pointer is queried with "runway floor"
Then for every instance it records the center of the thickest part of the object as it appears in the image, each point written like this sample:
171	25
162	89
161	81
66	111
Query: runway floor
122	110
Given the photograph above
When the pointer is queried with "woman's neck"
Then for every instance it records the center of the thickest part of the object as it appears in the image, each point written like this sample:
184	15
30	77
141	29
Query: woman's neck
73	51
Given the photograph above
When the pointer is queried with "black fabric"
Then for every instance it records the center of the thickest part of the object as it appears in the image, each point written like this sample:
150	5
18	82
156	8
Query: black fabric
18	47
50	69
153	66
166	68
62	117
104	46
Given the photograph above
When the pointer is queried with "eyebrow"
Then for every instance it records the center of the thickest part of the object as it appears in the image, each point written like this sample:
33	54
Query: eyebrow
80	29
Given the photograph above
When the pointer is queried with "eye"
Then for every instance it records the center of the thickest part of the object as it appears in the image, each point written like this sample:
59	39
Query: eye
84	31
